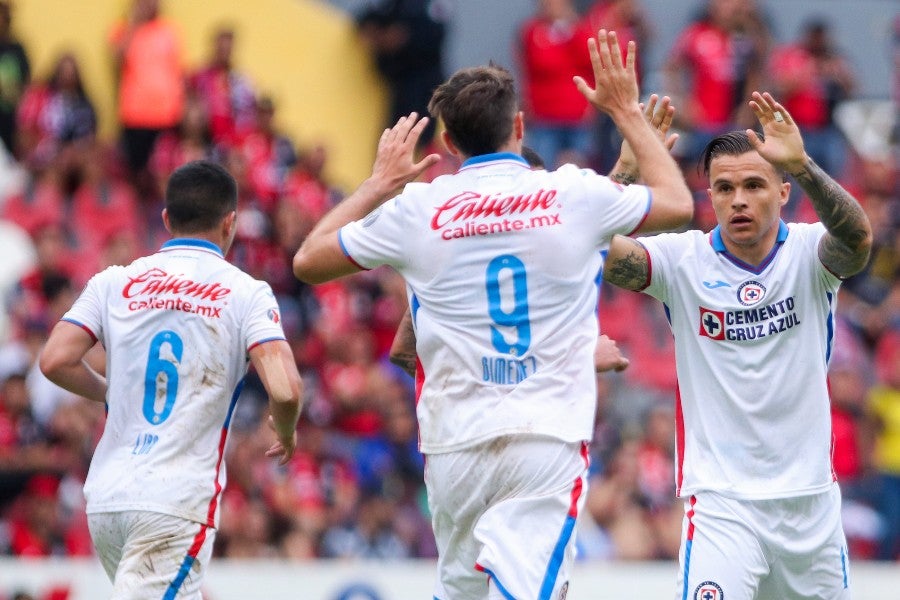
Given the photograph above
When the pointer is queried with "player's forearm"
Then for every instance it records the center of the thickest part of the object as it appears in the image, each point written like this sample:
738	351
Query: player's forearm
403	348
367	197
78	378
846	248
657	167
315	260
285	401
623	173
285	414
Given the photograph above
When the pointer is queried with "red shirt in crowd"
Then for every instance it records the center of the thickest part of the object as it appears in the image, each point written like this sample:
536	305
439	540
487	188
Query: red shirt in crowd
795	70
551	53
707	52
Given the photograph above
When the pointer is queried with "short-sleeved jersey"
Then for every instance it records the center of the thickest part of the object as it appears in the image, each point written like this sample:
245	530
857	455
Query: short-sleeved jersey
501	264
177	327
752	346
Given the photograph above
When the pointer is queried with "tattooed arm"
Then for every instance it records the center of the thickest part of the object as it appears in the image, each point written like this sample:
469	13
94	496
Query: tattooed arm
627	265
403	349
845	248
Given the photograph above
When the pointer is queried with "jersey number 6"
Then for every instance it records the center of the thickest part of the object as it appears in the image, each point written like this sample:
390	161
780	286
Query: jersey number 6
161	376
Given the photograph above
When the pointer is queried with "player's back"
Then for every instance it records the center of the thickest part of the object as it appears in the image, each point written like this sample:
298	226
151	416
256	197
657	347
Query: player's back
502	263
175	328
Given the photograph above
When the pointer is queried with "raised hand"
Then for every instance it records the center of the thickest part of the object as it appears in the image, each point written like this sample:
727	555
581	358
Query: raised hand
395	163
660	119
783	144
616	83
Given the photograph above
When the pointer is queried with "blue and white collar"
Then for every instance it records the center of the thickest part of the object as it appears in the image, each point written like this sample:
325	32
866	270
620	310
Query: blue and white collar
195	243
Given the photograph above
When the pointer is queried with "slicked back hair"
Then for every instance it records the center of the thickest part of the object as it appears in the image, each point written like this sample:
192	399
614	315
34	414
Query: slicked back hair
478	106
733	143
199	195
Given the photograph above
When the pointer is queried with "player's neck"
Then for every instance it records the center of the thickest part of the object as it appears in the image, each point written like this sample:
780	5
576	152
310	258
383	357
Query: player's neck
754	253
205	236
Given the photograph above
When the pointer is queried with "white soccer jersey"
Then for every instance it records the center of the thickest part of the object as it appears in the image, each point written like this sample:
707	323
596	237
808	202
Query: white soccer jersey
177	327
752	346
501	264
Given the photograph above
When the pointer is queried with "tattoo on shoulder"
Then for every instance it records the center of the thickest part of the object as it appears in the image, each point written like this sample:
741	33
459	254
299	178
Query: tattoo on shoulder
631	271
623	178
843	250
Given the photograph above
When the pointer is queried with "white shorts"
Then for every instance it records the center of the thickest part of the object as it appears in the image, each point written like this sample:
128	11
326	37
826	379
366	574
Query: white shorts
789	549
150	555
504	517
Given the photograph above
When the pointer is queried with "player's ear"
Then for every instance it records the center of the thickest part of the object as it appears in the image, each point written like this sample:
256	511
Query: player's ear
448	143
165	219
229	224
519	126
785	192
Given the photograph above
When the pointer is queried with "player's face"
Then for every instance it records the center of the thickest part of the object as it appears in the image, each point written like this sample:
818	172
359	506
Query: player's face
747	195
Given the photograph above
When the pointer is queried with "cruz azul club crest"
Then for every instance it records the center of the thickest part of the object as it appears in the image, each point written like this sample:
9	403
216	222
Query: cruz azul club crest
709	590
751	292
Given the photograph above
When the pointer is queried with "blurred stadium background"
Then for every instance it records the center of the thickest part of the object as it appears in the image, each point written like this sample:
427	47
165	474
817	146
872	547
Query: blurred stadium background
330	101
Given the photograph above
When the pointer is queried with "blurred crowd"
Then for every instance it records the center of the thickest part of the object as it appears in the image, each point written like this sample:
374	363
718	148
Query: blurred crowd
73	203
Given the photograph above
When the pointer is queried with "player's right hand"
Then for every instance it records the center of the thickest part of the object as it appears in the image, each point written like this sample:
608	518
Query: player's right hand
284	448
607	356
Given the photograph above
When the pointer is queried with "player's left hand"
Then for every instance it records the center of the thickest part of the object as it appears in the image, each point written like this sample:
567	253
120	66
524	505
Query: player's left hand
615	83
607	356
783	144
395	163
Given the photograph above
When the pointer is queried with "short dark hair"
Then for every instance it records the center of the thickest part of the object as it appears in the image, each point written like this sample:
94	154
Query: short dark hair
199	195
478	106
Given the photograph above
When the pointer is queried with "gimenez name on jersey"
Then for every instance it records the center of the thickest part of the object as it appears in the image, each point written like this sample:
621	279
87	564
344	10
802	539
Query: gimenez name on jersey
505	370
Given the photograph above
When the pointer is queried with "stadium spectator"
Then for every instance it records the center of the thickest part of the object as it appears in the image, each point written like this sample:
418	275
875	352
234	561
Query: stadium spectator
268	153
885	408
191	140
813	78
150	71
55	117
406	39
226	94
628	19
15	75
551	50
715	63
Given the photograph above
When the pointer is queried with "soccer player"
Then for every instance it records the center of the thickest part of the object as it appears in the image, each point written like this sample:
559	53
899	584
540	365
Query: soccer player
179	328
751	306
607	356
501	263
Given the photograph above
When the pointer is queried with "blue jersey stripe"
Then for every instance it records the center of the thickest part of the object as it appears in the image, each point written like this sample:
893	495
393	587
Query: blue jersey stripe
829	328
556	558
499	585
